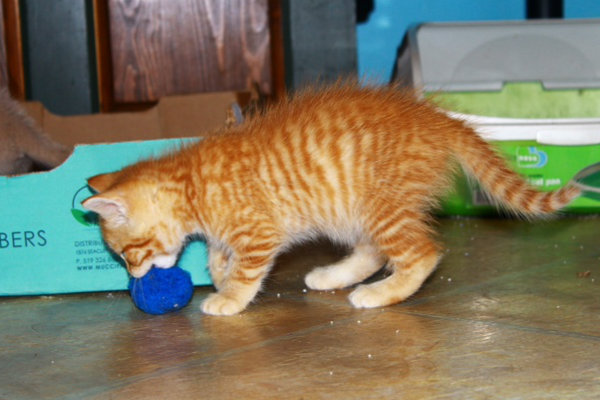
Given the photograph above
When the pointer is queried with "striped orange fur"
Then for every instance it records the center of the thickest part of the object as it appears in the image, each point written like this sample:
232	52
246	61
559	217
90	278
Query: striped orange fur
363	166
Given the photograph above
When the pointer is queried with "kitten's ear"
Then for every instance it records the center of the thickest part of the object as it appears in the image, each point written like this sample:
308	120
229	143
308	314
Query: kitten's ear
109	208
102	182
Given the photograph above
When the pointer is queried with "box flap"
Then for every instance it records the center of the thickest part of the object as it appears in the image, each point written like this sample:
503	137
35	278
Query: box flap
195	115
173	116
103	128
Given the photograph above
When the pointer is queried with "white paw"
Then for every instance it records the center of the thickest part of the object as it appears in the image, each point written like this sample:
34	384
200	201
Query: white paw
317	279
366	296
217	304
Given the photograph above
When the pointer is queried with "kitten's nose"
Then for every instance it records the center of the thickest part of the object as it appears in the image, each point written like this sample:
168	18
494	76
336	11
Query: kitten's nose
137	271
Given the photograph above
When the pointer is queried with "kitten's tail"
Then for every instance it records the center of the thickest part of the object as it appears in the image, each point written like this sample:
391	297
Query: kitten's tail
504	185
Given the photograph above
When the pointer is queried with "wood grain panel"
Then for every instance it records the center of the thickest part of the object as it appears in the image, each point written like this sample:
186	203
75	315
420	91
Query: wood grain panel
3	62
13	48
163	47
278	88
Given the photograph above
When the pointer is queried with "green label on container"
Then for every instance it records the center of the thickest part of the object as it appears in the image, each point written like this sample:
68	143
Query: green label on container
531	157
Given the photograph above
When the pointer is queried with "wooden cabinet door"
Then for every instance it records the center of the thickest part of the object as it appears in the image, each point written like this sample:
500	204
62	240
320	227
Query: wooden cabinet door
12	72
148	49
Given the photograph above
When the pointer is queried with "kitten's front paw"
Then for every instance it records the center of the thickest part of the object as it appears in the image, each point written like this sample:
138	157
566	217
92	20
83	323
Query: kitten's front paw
217	279
217	304
366	296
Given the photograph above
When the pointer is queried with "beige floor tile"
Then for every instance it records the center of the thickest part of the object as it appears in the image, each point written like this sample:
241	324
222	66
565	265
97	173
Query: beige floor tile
512	312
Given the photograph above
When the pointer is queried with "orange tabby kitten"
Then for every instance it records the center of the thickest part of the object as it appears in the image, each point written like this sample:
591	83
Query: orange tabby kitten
363	166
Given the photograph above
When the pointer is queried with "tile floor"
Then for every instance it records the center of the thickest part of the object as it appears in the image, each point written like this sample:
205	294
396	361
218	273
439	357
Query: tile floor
513	312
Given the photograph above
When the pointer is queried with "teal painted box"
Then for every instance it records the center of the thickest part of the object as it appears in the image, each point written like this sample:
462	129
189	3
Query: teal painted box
48	243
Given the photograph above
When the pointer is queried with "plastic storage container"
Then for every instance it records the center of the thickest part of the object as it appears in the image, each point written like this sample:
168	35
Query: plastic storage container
532	88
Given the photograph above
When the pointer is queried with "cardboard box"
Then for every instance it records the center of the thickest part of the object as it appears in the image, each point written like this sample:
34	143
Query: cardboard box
48	243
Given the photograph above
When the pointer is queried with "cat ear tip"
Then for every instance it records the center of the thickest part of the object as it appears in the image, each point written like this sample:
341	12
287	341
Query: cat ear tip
101	182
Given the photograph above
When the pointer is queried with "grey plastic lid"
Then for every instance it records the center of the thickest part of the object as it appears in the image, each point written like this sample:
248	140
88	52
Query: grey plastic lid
483	56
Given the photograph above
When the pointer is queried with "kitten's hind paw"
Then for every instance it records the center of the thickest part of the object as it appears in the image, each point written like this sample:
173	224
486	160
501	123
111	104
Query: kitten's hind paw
217	304
367	296
321	279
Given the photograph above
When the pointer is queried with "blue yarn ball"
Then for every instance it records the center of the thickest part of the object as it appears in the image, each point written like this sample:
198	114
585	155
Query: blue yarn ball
162	290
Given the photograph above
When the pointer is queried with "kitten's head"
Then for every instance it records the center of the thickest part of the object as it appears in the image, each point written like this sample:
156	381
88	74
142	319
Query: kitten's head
136	219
